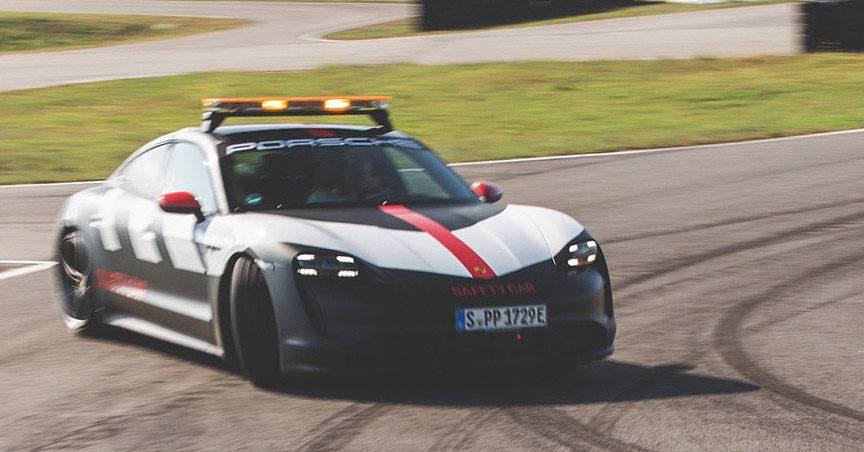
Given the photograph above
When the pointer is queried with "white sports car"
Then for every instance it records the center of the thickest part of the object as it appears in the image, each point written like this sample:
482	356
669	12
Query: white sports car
320	247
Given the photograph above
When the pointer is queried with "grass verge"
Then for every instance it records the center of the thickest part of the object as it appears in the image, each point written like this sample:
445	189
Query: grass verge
465	112
612	9
32	32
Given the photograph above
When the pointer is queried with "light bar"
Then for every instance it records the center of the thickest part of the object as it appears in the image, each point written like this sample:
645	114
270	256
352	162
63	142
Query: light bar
305	104
217	109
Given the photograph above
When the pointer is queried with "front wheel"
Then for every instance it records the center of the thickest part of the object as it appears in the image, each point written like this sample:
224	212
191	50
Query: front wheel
76	293
253	325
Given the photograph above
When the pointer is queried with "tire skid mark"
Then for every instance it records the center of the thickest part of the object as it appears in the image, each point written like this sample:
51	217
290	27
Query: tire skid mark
613	413
728	337
816	416
734	221
614	410
740	177
576	164
748	245
337	431
465	431
792	314
648	328
716	267
553	424
110	426
692	187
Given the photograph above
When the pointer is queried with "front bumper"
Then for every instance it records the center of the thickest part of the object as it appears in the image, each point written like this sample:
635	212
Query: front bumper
406	321
576	344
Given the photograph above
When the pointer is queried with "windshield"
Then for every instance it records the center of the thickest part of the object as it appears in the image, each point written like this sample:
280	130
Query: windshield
288	174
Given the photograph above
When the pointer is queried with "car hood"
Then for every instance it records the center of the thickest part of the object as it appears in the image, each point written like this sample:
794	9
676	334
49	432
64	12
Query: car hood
472	241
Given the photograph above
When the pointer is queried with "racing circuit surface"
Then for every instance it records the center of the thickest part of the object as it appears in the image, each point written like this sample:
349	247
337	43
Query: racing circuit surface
737	271
284	36
737	275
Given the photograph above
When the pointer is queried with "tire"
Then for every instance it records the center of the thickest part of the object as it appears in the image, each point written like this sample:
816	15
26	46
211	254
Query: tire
253	325
76	298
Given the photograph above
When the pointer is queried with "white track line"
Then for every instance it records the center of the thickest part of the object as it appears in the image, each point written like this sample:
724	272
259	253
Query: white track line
655	150
3	262
560	157
32	267
52	184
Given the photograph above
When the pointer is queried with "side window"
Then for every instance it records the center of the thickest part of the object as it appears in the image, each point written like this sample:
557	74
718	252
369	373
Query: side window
142	175
187	171
414	176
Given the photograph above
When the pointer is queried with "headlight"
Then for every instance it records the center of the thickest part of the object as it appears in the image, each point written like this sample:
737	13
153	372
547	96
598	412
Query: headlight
579	255
326	265
582	254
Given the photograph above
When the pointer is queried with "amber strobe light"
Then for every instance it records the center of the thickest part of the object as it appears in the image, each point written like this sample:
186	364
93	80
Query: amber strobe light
295	104
274	104
337	104
216	110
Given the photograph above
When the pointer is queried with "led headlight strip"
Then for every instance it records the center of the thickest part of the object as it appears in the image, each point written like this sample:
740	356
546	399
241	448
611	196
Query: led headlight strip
582	254
326	265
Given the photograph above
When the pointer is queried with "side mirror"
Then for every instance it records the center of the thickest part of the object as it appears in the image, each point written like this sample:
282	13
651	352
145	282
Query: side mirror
487	191
181	202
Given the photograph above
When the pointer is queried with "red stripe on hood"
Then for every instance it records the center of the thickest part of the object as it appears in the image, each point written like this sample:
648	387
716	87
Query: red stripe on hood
466	256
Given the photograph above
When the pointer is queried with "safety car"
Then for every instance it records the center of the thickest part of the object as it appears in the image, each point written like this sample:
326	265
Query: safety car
317	247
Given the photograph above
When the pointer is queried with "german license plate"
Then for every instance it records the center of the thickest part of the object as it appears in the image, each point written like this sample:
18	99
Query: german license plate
503	318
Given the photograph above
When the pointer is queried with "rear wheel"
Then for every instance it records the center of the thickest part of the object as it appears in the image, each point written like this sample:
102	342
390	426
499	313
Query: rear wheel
253	325
76	294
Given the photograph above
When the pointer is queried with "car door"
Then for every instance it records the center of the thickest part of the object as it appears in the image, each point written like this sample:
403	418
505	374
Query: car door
181	280
125	222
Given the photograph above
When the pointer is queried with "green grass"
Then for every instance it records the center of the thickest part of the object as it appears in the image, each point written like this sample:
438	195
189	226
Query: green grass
611	9
31	32
466	112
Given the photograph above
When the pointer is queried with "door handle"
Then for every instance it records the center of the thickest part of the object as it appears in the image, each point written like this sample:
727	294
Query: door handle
96	221
148	234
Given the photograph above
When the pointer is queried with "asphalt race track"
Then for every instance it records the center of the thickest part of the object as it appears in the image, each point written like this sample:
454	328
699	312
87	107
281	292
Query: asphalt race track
737	270
283	36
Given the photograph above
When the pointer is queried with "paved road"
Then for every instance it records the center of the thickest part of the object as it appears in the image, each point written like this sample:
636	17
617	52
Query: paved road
737	274
736	268
282	36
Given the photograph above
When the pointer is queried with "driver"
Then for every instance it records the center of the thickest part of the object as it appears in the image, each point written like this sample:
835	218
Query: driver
359	180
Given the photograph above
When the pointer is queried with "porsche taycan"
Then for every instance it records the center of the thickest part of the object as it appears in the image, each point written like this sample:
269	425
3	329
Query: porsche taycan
309	247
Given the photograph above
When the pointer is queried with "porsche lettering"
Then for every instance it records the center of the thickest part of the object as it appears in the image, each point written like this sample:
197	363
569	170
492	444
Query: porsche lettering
322	142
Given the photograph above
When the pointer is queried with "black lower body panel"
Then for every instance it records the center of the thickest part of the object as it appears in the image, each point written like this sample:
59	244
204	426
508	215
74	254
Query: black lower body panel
579	343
